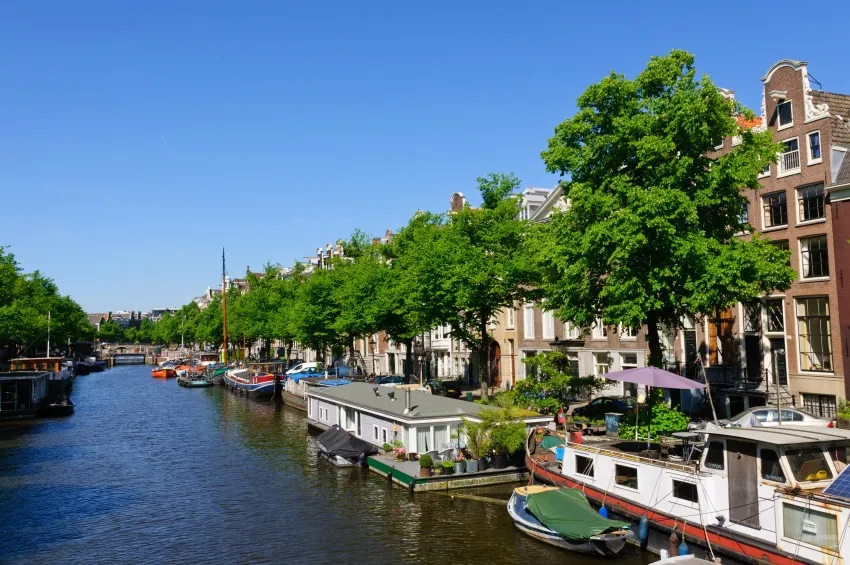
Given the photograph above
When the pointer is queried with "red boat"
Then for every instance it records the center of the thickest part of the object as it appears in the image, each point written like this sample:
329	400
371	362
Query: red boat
161	373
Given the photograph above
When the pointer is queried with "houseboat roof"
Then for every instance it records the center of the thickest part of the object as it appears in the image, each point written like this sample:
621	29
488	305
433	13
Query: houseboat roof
22	375
783	435
422	404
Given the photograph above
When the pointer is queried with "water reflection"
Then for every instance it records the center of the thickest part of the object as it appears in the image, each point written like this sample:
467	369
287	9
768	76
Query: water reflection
146	471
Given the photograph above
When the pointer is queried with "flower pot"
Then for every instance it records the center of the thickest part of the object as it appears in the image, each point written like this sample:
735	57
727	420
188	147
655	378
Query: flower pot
500	461
460	467
472	466
424	471
483	464
438	470
448	470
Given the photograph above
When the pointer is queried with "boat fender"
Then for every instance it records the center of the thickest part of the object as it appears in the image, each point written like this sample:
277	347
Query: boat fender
643	528
674	543
603	511
683	547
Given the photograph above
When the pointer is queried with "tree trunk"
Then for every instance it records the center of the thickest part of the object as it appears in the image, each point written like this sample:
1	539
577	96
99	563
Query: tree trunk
407	365
656	355
484	360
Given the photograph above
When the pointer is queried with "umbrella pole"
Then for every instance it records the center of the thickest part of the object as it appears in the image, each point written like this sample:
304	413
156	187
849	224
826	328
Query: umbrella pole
708	392
649	429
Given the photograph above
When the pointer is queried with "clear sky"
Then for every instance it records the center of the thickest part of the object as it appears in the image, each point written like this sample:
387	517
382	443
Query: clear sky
138	138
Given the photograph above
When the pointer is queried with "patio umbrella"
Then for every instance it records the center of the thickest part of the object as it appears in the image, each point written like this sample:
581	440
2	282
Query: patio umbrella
653	376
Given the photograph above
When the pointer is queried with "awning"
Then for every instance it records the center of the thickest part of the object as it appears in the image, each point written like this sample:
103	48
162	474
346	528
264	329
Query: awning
655	377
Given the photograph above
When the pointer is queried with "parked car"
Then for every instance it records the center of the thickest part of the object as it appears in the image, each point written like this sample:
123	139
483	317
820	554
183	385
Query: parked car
452	389
390	380
301	367
769	416
598	407
343	371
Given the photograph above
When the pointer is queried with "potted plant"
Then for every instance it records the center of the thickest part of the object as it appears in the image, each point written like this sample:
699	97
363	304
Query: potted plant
460	464
388	451
425	463
400	453
477	442
507	436
843	414
448	467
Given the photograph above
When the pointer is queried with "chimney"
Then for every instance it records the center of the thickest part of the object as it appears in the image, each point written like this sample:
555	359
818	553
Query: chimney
406	400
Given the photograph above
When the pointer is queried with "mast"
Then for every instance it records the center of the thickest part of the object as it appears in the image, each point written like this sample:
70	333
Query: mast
48	333
223	306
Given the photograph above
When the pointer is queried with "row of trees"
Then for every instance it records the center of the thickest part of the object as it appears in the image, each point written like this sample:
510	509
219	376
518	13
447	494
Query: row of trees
650	235
27	300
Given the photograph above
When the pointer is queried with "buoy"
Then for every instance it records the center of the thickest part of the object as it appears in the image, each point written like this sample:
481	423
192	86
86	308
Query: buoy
643	528
603	511
674	543
683	547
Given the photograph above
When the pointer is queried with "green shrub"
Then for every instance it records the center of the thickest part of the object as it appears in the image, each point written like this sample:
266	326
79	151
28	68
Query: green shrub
843	412
387	447
425	461
664	420
448	464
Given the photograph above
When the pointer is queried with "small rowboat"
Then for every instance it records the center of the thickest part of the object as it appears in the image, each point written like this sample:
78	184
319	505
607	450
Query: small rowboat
161	373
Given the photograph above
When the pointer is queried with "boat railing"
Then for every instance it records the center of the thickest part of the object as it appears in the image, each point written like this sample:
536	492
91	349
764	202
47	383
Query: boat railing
622	455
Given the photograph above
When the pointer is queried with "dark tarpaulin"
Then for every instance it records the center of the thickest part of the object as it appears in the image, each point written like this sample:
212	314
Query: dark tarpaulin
337	441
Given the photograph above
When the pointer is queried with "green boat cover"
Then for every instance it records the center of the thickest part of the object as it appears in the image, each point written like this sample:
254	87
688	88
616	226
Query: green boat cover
568	512
548	442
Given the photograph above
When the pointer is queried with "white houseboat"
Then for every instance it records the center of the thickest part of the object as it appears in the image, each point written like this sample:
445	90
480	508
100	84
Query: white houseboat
756	495
376	414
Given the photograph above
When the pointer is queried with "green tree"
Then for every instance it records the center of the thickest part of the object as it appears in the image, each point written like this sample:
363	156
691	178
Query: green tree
110	332
650	233
315	312
146	329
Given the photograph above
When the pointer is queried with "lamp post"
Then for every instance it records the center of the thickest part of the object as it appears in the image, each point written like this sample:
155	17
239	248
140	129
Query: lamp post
372	344
776	354
419	353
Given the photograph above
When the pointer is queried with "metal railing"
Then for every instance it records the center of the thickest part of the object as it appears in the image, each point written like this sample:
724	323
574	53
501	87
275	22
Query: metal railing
789	161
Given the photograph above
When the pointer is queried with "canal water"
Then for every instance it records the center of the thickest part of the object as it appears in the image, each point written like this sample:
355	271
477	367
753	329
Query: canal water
148	472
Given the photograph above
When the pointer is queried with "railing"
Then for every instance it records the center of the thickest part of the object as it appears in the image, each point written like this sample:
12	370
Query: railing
789	161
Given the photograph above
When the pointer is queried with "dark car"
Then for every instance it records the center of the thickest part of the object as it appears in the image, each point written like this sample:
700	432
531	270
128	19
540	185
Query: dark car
390	380
598	407
452	389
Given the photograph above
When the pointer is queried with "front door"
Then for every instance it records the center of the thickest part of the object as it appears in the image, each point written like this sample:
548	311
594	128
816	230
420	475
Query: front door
691	352
752	344
777	361
495	365
743	483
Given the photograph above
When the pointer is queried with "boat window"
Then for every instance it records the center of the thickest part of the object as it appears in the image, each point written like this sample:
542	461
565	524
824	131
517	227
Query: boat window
626	476
771	470
714	457
810	526
685	491
840	456
584	466
808	464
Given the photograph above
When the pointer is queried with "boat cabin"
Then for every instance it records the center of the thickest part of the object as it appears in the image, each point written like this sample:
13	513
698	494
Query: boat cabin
23	393
37	364
763	484
421	421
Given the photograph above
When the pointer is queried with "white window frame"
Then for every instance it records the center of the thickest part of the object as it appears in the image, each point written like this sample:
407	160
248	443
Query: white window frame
814	160
548	318
528	322
800	352
625	333
780	126
682	501
764	225
637	472
624	365
375	433
571	332
596	363
801	221
766	171
511	317
801	267
788	172
600	330
384	435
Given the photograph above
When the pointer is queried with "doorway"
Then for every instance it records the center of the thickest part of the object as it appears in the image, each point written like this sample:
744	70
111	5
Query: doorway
777	360
752	346
495	365
743	483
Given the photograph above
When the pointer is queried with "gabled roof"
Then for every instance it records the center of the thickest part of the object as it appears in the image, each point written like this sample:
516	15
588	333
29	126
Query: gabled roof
839	108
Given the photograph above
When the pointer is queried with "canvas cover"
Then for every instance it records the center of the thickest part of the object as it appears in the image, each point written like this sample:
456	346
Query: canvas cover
548	442
568	512
339	442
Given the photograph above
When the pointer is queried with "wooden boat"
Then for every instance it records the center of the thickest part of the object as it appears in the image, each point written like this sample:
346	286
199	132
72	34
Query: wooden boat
343	449
749	494
564	518
163	373
256	385
64	407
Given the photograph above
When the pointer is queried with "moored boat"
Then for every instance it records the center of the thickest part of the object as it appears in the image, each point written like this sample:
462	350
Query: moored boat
343	449
252	384
63	407
193	380
163	373
564	518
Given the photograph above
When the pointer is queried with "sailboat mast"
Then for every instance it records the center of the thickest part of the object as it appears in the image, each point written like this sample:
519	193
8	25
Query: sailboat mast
224	306
48	333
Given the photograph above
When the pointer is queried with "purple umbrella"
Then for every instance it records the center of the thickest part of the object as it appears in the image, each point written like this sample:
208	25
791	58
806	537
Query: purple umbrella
653	376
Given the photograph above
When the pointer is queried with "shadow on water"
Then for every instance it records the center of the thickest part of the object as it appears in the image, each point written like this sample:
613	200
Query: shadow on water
146	471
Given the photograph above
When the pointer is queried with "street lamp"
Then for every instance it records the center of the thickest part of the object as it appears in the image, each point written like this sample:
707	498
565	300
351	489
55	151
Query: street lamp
419	353
372	344
776	354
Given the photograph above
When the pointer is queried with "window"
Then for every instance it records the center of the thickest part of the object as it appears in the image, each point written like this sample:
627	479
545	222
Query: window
752	317
813	143
530	370
744	216
822	405
814	257
584	466
810	201
359	425
685	491
628	333
771	470
528	321
602	363
548	324
808	464
384	435
789	159
775	210
810	526
775	315
766	171
423	439
571	332
714	458
600	330
815	334
628	360
510	317
784	114
375	433
626	476
572	360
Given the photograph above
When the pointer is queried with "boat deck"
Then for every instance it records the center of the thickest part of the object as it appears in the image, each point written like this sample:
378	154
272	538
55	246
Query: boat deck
668	453
406	474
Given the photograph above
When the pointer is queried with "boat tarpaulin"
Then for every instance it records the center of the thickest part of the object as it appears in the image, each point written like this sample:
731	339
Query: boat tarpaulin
568	512
339	442
550	441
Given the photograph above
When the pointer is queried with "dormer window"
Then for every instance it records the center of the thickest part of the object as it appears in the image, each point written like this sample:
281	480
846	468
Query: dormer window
784	115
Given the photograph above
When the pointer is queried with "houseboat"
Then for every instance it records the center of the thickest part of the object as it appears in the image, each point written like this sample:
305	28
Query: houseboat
23	394
258	385
746	494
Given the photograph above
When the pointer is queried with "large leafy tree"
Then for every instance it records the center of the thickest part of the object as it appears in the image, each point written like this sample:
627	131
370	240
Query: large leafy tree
650	234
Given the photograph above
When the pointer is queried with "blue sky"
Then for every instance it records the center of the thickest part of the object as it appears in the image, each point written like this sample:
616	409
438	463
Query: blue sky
138	138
